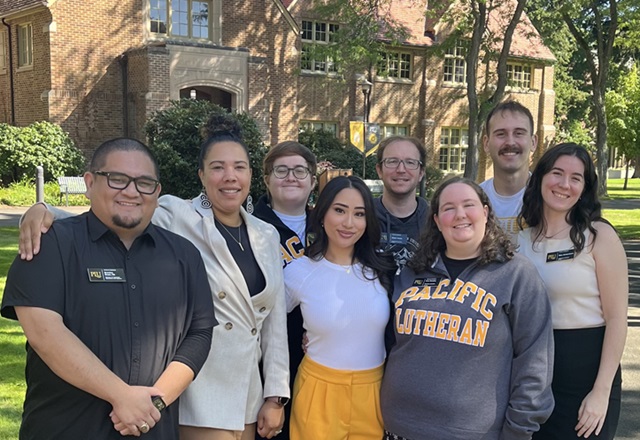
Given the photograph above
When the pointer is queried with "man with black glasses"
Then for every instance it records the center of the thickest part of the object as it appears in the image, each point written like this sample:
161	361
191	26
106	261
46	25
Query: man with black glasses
401	213
117	312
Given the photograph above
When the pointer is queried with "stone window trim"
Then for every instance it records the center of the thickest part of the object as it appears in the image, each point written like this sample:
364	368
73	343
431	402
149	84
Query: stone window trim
195	20
395	65
387	130
25	46
3	52
452	149
520	75
314	34
315	125
455	64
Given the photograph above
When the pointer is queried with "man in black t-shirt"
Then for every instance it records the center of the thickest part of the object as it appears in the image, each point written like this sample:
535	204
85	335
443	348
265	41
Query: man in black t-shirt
117	312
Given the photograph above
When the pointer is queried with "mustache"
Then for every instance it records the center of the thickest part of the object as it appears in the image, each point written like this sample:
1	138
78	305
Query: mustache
510	149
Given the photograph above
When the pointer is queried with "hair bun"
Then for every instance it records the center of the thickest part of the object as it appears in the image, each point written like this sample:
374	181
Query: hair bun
221	124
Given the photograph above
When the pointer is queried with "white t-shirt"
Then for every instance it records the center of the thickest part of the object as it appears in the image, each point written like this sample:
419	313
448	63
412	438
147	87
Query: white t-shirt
297	223
506	208
344	313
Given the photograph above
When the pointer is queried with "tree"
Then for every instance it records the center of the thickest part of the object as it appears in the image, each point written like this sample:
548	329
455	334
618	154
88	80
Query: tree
367	28
486	40
623	113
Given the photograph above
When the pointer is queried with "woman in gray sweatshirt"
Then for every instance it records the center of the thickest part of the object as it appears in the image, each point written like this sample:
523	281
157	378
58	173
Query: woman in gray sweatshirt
474	348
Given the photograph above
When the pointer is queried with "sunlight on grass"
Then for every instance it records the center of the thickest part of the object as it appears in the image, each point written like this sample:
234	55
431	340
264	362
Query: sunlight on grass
12	341
615	191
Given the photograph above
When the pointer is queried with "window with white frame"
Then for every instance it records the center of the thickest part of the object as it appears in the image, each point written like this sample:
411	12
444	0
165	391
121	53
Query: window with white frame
315	35
320	125
3	51
453	148
519	75
388	130
455	64
25	45
394	65
181	18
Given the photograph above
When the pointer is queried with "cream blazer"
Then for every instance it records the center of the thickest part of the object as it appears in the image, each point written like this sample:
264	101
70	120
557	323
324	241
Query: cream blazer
228	393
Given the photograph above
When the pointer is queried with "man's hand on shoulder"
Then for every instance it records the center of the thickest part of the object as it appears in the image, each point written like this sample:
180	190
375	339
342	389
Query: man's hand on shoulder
35	222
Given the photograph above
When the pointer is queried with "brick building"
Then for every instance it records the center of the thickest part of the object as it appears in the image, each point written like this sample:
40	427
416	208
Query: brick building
100	68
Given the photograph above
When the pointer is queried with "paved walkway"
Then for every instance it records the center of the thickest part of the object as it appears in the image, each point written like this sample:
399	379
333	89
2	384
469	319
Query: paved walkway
629	427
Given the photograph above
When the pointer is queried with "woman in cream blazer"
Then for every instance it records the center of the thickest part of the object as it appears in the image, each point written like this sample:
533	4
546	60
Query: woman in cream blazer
227	394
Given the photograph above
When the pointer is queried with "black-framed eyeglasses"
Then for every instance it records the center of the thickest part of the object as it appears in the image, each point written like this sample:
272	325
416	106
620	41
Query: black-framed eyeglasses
282	171
144	185
394	162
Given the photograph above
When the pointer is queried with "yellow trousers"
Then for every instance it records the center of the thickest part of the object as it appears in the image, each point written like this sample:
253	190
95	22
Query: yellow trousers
331	404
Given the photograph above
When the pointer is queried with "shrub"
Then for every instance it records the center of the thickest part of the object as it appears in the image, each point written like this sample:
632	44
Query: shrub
174	136
22	149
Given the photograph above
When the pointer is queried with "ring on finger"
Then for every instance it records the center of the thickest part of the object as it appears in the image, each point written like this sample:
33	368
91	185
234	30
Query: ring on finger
144	428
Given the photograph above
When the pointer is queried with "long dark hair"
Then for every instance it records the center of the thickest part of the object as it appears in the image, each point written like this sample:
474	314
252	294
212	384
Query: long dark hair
581	216
495	246
365	249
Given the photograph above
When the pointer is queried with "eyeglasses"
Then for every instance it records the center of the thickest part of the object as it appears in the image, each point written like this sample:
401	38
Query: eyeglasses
144	185
394	162
282	171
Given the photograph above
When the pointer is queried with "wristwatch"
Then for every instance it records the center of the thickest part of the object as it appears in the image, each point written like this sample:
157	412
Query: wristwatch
282	401
158	403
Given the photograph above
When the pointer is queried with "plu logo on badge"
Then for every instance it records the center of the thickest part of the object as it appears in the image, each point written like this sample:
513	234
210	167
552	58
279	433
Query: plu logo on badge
97	275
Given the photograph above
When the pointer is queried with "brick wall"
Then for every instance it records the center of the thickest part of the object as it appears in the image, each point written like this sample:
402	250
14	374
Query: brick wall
86	96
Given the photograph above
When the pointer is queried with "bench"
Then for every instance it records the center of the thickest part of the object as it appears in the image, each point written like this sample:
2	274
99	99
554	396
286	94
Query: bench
71	185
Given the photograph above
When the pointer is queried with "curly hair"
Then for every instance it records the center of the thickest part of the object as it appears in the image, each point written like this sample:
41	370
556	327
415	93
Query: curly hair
365	249
581	216
495	246
220	128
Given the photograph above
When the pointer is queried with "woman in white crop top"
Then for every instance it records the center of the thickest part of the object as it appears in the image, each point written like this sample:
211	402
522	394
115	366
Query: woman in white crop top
342	286
583	264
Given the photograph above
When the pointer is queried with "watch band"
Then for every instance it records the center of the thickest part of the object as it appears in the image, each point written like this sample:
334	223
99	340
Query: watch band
282	401
158	403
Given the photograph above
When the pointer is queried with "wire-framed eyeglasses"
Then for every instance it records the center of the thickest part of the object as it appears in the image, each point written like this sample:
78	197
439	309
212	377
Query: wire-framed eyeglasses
144	185
282	171
394	162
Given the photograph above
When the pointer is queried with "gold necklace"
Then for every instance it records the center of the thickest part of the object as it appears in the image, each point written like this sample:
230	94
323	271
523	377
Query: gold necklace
231	235
557	233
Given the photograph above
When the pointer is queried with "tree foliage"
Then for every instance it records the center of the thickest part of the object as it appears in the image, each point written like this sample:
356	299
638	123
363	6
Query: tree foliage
623	113
175	137
22	149
328	148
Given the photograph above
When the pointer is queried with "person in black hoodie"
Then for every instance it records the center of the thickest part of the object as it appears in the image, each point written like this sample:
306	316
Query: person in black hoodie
289	171
402	215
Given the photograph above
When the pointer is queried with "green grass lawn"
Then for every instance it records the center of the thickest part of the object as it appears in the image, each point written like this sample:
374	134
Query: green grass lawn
12	340
614	188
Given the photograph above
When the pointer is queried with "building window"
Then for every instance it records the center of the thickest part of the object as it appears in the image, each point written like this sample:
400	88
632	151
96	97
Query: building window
453	148
519	75
394	130
319	125
25	45
394	65
181	18
315	36
3	51
455	64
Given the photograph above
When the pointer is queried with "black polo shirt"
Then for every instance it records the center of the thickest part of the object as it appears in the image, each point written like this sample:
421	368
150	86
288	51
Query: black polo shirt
132	308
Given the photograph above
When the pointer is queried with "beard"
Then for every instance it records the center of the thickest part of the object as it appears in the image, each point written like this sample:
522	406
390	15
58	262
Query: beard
125	222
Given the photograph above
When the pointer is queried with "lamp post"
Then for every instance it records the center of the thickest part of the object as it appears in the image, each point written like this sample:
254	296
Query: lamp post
365	86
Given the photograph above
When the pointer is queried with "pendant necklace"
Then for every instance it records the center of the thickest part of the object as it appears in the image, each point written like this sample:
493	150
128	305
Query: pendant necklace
231	235
557	233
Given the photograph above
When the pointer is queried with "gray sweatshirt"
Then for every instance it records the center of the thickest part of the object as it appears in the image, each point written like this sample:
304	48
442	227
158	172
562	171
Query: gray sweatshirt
473	357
